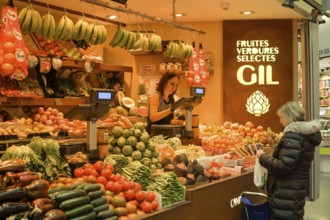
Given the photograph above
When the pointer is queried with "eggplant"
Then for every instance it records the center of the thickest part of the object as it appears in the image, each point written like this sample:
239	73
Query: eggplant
11	195
11	208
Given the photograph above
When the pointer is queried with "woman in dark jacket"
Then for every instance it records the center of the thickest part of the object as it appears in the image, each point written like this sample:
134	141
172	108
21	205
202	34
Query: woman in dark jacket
288	167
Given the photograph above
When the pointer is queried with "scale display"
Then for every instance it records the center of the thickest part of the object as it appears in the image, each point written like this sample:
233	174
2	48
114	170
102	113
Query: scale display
101	95
197	91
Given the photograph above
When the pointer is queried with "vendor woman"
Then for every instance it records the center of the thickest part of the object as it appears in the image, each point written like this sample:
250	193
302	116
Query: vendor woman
160	109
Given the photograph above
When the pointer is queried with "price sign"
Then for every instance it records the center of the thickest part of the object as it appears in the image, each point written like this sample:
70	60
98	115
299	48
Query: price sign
147	69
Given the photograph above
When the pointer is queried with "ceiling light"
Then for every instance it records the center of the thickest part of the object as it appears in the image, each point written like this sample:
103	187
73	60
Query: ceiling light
179	14
288	3
313	15
247	12
112	17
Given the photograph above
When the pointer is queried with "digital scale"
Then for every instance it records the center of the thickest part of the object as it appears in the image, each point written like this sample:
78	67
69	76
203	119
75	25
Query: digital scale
100	101
187	103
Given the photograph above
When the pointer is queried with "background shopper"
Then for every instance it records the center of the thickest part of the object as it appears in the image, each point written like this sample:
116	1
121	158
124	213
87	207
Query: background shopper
288	167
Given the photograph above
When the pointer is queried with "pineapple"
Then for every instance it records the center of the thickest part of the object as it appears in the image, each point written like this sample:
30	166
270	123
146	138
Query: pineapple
142	89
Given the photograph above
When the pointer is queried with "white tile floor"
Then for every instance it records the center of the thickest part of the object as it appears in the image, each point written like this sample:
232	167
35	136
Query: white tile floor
320	209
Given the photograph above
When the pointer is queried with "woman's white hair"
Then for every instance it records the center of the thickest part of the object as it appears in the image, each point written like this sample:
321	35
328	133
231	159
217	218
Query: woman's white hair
291	112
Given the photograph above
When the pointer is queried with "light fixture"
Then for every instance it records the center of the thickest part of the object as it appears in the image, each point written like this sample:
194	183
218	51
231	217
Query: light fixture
288	3
313	15
321	20
112	17
247	12
179	14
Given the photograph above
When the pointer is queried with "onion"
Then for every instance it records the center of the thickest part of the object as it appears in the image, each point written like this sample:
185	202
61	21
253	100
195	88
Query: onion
55	112
60	115
47	113
37	117
52	117
41	110
43	119
49	122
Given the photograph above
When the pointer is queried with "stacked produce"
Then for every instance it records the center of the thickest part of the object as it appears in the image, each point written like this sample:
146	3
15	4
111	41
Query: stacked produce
193	152
134	144
135	171
114	119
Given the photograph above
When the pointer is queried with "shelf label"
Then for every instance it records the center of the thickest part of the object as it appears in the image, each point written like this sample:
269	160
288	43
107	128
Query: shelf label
58	101
147	69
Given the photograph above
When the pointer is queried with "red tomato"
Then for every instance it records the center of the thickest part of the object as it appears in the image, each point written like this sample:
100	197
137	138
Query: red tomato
155	205
106	172
135	202
9	47
117	177
150	196
9	58
118	187
137	187
131	207
87	171
102	180
98	165
87	165
1	60
110	166
140	196
129	194
78	172
94	173
110	186
146	207
9	36
91	179
126	185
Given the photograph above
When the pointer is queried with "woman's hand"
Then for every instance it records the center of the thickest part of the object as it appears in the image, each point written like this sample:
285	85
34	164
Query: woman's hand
260	152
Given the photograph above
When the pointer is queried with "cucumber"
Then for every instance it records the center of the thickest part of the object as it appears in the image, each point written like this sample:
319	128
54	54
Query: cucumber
59	189
89	216
79	211
99	201
112	218
81	186
74	202
69	195
101	208
106	214
96	194
92	187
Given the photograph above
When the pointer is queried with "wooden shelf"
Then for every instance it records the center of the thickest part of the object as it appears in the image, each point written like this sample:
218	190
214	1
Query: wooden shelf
69	101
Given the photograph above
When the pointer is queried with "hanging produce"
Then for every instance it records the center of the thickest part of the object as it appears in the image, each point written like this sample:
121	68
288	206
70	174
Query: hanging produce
193	75
48	28
95	33
29	20
64	29
13	52
204	73
178	50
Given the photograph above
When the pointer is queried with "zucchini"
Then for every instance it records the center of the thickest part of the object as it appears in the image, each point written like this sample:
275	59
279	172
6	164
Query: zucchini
101	208
106	214
74	186
69	195
12	195
92	187
81	186
79	211
89	216
74	202
112	218
99	201
59	189
96	194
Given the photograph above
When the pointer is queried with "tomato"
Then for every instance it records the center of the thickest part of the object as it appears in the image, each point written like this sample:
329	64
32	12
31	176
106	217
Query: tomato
107	172
87	171
98	165
154	205
110	186
109	198
118	187
117	177
9	47
78	172
87	165
189	80
102	180
150	196
129	194
110	166
91	179
126	185
137	187
9	36
146	207
1	60
94	173
140	196
131	207
7	69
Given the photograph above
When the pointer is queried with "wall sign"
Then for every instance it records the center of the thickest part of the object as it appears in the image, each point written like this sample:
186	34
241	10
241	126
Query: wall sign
258	65
147	69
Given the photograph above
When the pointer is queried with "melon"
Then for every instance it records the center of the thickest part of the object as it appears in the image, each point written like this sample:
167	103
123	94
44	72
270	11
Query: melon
144	112
127	102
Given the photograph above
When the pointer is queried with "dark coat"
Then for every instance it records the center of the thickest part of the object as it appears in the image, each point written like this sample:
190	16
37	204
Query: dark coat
288	169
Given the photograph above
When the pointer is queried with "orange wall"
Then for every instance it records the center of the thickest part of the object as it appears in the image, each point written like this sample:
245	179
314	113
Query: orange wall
210	110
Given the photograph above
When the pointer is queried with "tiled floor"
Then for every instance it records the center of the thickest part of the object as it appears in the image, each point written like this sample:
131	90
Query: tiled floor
320	209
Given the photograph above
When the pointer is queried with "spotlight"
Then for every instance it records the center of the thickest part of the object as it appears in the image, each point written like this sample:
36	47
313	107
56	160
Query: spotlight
321	20
288	3
313	16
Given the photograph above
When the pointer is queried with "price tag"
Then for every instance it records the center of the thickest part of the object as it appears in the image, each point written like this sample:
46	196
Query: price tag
58	101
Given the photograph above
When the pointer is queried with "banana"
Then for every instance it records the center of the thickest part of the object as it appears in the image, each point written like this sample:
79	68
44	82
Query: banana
96	33
174	50
22	15
52	27
124	39
181	50
117	36
129	40
27	21
77	28
35	22
138	41
151	44
59	28
104	34
145	44
168	49
80	36
159	46
45	26
65	29
133	41
89	32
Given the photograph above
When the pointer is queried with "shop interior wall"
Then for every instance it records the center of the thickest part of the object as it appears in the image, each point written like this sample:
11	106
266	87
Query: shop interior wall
210	110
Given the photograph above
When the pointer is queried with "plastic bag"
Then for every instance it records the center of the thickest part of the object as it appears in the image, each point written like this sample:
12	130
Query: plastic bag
12	47
260	174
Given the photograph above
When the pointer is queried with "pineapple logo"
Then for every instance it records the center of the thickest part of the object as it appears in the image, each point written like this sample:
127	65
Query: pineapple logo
257	104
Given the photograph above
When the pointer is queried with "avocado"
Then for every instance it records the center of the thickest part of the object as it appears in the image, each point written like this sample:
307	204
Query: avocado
180	169
195	162
199	178
184	159
166	161
176	159
168	167
190	167
199	169
183	180
190	179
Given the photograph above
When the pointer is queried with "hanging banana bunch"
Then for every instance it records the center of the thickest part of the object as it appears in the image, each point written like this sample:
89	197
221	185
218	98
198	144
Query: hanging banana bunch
64	29
47	30
95	34
29	20
178	50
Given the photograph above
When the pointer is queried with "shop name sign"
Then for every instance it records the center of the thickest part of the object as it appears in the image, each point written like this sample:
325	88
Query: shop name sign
256	51
147	69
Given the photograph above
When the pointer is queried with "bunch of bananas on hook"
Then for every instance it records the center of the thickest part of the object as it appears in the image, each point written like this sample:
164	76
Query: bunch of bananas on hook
29	20
93	33
178	50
